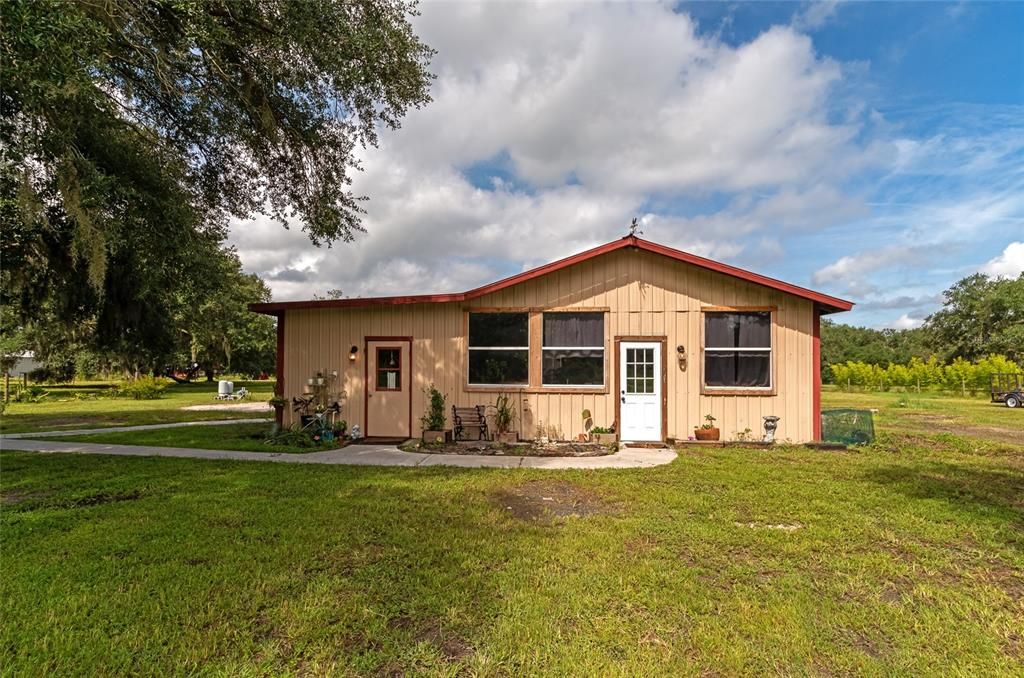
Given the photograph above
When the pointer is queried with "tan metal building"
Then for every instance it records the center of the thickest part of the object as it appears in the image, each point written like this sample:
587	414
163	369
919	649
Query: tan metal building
647	338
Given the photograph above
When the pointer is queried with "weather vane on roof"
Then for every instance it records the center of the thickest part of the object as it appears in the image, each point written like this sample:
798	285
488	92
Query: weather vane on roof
634	227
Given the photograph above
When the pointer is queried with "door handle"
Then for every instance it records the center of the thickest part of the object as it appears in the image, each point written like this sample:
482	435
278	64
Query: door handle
623	393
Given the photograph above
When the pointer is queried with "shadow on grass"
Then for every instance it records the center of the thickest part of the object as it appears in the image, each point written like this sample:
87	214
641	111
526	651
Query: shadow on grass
371	569
977	490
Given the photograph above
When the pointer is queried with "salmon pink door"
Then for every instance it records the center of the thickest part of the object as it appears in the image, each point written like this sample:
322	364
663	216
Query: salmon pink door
389	387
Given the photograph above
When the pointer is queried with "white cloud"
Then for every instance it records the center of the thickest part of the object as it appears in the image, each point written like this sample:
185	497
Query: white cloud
816	14
596	108
601	112
627	97
1009	264
905	322
853	268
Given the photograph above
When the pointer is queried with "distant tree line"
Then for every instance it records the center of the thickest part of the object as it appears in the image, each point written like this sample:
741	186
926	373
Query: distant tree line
959	376
202	319
980	317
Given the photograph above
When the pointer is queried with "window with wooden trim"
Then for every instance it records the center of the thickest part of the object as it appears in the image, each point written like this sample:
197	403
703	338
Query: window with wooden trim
499	349
738	349
389	369
573	349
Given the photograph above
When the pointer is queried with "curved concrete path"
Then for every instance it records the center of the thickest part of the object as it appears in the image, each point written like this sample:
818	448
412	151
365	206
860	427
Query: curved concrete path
358	455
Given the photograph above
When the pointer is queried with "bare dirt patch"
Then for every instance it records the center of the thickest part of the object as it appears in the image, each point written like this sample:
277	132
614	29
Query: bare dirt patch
28	501
936	423
257	406
547	500
452	646
872	647
105	498
14	497
641	545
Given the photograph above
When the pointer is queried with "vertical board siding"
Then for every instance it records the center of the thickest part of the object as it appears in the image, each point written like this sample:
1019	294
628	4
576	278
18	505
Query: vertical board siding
646	295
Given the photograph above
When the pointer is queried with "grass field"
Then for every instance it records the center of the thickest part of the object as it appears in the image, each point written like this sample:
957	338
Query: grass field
905	558
80	406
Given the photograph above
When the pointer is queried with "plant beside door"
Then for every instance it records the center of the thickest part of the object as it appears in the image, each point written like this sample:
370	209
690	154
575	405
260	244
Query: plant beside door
433	420
605	435
504	420
707	430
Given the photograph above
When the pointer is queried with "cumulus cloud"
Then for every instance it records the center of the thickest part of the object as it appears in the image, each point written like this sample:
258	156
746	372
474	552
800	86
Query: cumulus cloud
595	109
552	126
853	268
1009	264
905	322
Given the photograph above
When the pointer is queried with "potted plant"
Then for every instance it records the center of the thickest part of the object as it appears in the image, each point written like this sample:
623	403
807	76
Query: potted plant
708	430
433	420
603	435
588	424
504	418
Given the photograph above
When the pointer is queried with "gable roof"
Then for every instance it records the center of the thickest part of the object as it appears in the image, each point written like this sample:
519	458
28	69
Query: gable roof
824	302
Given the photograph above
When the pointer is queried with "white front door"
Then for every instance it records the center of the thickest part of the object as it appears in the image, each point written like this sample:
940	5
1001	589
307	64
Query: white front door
640	390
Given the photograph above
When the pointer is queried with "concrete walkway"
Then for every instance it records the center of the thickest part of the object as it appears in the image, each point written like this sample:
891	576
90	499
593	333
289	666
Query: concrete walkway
357	455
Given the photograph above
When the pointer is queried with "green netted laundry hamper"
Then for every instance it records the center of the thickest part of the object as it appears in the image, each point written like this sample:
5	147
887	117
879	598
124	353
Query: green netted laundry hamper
846	426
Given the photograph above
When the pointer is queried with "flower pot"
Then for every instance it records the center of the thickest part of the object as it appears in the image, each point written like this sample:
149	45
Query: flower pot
606	438
507	437
437	436
706	433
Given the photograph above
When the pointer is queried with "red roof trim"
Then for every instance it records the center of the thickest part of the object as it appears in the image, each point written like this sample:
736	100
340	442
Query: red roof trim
826	303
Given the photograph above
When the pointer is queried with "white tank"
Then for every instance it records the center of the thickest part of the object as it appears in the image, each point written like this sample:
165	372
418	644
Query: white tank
225	388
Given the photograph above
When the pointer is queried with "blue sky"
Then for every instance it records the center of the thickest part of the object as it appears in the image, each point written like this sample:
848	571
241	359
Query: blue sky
871	150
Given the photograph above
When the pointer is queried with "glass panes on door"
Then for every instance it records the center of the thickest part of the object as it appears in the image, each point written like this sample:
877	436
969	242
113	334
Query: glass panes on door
639	370
389	369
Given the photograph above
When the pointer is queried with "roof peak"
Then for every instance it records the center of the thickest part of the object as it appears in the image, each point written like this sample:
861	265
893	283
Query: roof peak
826	303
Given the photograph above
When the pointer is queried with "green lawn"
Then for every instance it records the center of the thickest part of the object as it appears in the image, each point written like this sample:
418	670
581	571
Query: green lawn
80	406
904	408
906	558
241	436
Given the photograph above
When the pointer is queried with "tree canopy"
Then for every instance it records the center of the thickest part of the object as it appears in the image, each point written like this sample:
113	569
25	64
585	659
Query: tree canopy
134	130
980	316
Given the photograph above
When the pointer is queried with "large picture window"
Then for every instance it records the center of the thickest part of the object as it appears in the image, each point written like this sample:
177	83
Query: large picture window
499	349
738	349
573	350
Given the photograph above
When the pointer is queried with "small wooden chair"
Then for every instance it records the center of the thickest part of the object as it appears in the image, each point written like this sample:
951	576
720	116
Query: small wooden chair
469	417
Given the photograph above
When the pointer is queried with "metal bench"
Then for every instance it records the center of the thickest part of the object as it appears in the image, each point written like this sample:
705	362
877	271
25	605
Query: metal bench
469	417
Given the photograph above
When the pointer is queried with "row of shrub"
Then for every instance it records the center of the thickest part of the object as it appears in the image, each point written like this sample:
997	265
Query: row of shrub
959	376
143	388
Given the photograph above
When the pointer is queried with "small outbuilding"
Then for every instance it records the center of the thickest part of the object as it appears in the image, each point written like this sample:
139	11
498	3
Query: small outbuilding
646	338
